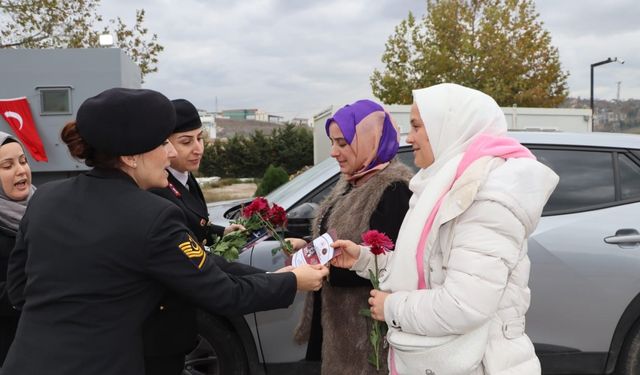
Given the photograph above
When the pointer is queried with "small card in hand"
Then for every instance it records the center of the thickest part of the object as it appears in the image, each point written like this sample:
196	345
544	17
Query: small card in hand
318	251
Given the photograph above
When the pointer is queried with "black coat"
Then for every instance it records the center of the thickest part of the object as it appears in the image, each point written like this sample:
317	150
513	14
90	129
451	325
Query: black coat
8	315
92	257
7	241
171	329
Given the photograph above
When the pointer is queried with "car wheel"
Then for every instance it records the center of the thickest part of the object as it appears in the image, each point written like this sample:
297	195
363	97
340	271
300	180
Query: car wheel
218	350
629	359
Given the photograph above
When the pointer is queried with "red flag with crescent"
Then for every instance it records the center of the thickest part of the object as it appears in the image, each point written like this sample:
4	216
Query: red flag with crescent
18	114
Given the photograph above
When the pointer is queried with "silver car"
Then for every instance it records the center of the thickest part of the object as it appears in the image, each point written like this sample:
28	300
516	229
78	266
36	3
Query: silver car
585	279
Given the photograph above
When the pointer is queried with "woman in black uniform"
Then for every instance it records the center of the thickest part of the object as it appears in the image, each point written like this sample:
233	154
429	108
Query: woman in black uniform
171	330
93	253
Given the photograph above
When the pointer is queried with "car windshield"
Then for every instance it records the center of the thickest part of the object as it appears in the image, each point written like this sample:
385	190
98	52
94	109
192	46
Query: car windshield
290	188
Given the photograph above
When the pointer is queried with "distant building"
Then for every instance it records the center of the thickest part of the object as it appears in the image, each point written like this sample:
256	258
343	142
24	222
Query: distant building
208	120
250	114
300	121
240	114
274	119
227	128
55	82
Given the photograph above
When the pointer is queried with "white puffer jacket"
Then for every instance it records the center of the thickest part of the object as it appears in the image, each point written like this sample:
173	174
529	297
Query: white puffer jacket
476	267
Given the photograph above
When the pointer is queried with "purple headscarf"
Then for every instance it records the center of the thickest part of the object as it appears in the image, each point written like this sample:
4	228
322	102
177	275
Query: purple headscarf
368	128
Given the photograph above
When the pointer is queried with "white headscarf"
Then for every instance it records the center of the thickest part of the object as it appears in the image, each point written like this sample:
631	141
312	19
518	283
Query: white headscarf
453	116
11	211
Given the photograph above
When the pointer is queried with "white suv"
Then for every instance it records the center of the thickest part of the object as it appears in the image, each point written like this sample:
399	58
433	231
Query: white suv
585	278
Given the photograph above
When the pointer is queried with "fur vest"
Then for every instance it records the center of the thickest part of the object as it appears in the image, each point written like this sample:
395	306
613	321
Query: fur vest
345	345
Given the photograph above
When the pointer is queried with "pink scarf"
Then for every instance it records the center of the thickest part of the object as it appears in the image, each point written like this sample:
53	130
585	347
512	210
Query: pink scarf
483	145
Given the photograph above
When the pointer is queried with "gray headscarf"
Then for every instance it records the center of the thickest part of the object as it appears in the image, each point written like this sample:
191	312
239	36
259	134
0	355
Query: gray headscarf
11	211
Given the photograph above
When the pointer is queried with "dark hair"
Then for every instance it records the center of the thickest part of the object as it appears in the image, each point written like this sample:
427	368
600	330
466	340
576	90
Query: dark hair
9	140
81	150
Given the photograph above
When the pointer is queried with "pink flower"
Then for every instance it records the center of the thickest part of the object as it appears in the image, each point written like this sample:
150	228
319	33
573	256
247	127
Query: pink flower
258	206
377	241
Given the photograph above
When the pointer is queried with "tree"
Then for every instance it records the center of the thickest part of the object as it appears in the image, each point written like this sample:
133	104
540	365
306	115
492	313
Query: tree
496	46
272	179
290	147
74	24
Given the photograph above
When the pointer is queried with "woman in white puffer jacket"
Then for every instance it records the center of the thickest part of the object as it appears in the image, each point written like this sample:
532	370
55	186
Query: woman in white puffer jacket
454	293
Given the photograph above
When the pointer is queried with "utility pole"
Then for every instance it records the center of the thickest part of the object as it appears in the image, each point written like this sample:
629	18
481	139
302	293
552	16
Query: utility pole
609	60
618	94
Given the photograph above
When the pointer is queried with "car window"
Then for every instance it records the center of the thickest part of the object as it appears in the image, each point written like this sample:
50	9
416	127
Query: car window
291	187
629	177
586	178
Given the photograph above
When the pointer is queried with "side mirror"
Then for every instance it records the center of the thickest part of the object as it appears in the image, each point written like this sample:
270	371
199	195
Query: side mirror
300	219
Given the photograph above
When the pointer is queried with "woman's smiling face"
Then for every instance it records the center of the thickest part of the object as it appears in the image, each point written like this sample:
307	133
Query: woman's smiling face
419	140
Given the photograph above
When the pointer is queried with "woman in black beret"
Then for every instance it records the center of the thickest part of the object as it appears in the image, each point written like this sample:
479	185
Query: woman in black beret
94	253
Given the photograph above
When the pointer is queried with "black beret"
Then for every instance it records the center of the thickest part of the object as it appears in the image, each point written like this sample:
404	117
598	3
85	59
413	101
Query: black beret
123	121
187	117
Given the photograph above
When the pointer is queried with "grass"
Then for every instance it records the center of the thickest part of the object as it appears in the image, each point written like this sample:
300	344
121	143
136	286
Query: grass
229	191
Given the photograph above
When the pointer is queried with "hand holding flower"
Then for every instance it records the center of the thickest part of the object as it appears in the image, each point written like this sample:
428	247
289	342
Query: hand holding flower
233	228
256	218
378	244
376	301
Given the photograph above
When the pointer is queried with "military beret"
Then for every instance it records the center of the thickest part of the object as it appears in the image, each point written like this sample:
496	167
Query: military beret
122	121
187	117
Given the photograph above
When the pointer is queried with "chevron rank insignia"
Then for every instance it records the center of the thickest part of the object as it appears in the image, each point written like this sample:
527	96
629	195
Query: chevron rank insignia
192	249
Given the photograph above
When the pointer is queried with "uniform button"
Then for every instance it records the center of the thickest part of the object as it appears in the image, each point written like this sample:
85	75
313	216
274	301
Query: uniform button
161	307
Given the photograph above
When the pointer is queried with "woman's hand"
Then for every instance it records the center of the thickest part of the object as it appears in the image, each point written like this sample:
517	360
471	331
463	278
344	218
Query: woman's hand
284	269
349	253
376	301
310	277
297	243
233	228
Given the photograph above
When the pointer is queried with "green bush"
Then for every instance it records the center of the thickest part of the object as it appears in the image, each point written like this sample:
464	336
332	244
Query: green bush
273	177
290	147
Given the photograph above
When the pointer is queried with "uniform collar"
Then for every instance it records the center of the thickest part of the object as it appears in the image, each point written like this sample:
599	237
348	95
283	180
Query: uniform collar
182	177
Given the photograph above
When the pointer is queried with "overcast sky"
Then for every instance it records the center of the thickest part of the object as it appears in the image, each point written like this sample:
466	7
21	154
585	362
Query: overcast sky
296	57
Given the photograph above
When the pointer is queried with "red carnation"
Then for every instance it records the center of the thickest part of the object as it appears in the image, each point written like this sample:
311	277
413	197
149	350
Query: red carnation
277	216
378	242
258	206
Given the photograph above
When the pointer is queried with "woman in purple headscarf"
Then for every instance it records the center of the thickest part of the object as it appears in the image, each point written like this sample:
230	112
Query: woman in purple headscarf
373	193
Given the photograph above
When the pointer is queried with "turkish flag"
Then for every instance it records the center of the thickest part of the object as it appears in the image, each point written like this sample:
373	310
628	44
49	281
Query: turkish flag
18	114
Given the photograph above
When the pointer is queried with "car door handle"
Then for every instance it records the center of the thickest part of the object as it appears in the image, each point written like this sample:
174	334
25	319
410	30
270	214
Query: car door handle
622	239
624	236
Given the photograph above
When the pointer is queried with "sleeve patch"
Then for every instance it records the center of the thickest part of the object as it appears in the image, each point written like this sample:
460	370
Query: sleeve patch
192	249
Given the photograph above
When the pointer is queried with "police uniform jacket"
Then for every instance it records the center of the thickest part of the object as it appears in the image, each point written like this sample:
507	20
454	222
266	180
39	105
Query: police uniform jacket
171	329
92	256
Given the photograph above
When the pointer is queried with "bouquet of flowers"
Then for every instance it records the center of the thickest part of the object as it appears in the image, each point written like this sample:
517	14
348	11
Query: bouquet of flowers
378	243
259	219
